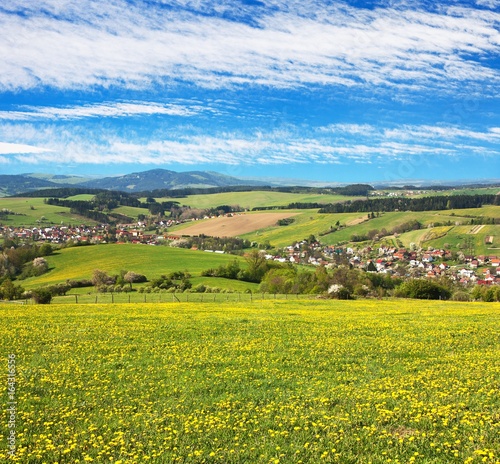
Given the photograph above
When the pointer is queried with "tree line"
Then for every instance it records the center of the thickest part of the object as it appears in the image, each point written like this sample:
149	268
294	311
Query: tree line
431	203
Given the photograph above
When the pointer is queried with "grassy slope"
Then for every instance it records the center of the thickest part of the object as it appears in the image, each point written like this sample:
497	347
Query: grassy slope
460	233
80	262
251	200
306	223
309	222
288	382
131	211
81	197
28	217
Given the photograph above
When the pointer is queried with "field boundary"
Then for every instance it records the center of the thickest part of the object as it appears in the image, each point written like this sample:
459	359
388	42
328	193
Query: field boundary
186	297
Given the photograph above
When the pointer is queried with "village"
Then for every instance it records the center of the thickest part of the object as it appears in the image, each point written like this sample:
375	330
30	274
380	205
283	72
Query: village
398	262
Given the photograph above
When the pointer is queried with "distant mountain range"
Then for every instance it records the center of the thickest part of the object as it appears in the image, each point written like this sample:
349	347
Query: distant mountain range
14	184
157	179
163	179
154	179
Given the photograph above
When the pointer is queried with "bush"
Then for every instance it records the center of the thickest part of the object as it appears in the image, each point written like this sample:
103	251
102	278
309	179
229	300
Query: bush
460	296
80	283
132	277
422	289
199	289
10	291
339	291
41	296
486	293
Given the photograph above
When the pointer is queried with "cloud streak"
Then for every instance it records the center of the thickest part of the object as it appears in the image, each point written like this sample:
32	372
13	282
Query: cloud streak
335	144
19	148
123	45
106	110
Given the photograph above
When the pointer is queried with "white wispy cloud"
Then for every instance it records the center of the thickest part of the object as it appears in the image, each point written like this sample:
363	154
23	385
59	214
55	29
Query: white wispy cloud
83	44
406	132
334	144
17	148
112	110
493	4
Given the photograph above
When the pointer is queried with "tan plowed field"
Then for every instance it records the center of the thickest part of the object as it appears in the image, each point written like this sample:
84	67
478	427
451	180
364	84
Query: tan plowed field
236	225
476	229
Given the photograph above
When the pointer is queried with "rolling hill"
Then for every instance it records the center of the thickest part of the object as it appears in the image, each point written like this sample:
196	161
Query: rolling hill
15	184
157	179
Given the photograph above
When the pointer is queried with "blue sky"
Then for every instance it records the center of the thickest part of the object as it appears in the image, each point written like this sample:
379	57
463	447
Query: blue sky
319	90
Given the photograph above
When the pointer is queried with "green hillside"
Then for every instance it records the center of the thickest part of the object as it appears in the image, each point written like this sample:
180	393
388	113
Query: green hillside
255	199
459	234
33	211
310	222
79	263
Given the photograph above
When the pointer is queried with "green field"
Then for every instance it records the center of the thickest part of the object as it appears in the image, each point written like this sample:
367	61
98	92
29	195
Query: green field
131	211
33	211
82	197
307	222
310	222
268	382
255	199
152	261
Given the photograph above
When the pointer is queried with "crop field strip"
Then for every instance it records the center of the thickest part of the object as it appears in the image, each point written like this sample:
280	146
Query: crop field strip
289	382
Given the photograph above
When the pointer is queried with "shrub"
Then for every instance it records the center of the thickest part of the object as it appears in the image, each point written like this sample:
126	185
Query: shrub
133	277
460	296
10	291
41	296
80	283
339	291
422	289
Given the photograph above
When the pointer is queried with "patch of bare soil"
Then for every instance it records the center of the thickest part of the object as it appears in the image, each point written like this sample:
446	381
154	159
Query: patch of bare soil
476	229
235	225
355	222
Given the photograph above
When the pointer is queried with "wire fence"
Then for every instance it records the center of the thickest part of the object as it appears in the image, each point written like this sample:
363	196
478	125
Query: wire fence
131	298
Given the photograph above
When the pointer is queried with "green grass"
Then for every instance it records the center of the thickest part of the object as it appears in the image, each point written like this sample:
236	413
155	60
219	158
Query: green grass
28	217
82	197
251	200
131	211
458	235
306	223
485	211
310	222
80	262
263	382
475	191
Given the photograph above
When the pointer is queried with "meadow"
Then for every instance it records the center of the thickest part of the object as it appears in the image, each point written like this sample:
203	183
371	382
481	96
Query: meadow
268	382
33	211
153	261
310	222
255	199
